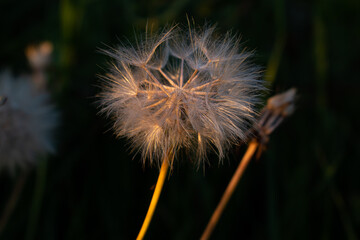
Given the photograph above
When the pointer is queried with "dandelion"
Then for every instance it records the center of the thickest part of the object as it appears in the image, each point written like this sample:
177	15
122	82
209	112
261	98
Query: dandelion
181	90
26	121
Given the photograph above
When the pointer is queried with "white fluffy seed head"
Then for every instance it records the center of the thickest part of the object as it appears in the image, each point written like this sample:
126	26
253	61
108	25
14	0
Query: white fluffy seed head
182	89
26	122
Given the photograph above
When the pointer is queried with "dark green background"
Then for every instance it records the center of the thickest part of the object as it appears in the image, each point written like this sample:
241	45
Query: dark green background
305	186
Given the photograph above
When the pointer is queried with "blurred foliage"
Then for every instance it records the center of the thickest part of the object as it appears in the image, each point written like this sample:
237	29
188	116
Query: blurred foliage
305	186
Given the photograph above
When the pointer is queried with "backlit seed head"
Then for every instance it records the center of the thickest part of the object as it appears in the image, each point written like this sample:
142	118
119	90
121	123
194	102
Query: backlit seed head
181	89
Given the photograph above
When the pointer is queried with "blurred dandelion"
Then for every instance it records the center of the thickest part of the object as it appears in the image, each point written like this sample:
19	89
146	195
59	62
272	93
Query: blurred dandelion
26	122
181	89
39	57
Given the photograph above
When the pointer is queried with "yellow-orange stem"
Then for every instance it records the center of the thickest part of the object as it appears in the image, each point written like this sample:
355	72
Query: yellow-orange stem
155	198
229	190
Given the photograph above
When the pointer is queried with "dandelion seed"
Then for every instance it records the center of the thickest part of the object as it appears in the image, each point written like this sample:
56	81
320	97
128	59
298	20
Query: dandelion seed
183	89
26	121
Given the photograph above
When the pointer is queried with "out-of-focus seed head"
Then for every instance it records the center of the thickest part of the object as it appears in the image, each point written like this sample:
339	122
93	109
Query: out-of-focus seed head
26	122
181	89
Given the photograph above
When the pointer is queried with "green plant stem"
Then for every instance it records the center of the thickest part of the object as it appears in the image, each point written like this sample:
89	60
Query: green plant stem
344	215
37	200
11	203
280	40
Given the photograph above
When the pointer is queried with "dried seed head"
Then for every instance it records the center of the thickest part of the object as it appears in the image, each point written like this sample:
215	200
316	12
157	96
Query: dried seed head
183	89
26	120
278	108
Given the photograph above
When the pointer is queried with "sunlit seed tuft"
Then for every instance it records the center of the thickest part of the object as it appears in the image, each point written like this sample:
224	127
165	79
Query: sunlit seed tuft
183	89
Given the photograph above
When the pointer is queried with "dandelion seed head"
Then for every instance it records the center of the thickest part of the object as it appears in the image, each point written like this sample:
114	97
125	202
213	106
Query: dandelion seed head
26	122
182	89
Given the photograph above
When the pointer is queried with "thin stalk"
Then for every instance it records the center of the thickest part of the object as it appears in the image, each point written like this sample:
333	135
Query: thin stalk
229	190
182	73
344	214
280	41
156	80
155	197
37	200
168	78
11	203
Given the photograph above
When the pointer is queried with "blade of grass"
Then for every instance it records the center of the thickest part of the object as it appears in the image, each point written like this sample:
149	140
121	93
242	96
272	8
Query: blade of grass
276	54
37	200
14	197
